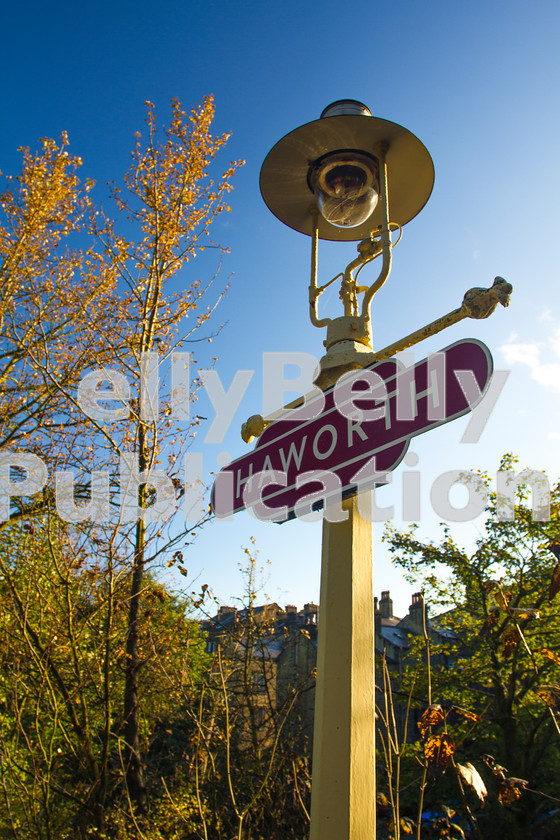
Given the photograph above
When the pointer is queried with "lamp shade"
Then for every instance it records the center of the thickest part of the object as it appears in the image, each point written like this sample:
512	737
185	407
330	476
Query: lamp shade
285	181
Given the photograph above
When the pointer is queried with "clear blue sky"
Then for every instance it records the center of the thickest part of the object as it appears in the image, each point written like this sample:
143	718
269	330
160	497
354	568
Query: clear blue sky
477	82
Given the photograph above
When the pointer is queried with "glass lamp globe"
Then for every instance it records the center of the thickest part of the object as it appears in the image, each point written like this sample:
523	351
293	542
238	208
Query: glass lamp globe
347	189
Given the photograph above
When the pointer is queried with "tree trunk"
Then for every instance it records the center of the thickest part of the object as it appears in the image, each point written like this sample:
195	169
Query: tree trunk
132	755
134	773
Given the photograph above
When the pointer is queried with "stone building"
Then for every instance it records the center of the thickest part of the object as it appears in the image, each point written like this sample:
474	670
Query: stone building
280	645
284	650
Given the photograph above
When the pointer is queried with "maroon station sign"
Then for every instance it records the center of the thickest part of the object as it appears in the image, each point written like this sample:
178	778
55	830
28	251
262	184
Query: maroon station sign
345	439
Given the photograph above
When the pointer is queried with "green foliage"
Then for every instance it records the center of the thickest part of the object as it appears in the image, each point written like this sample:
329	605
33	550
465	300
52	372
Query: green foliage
219	756
492	648
62	634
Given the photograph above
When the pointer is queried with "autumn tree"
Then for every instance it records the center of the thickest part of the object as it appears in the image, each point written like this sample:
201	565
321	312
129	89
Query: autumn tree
111	305
170	198
498	660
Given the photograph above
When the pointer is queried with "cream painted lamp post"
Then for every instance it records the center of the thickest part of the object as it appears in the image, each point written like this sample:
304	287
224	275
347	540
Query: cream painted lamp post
347	176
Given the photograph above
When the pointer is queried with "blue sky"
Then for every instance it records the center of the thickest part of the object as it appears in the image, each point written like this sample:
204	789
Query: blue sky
477	83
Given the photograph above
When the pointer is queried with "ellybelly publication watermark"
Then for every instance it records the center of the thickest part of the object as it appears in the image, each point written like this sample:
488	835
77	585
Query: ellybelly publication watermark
359	397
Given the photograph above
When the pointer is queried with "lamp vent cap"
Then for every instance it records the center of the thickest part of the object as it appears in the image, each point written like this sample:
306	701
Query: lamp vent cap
342	107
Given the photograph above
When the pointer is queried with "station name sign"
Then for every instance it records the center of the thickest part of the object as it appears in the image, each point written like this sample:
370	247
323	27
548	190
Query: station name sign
343	440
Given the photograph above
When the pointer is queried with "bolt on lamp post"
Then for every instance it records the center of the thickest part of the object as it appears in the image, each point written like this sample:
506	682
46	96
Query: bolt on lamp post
335	179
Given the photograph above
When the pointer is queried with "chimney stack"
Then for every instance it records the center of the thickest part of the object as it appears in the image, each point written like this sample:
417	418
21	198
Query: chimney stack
386	605
415	612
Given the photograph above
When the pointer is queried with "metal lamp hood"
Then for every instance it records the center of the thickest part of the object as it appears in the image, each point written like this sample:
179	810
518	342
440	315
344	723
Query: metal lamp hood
345	126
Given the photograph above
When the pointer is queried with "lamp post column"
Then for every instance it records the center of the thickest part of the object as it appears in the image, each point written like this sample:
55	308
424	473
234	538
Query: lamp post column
343	787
